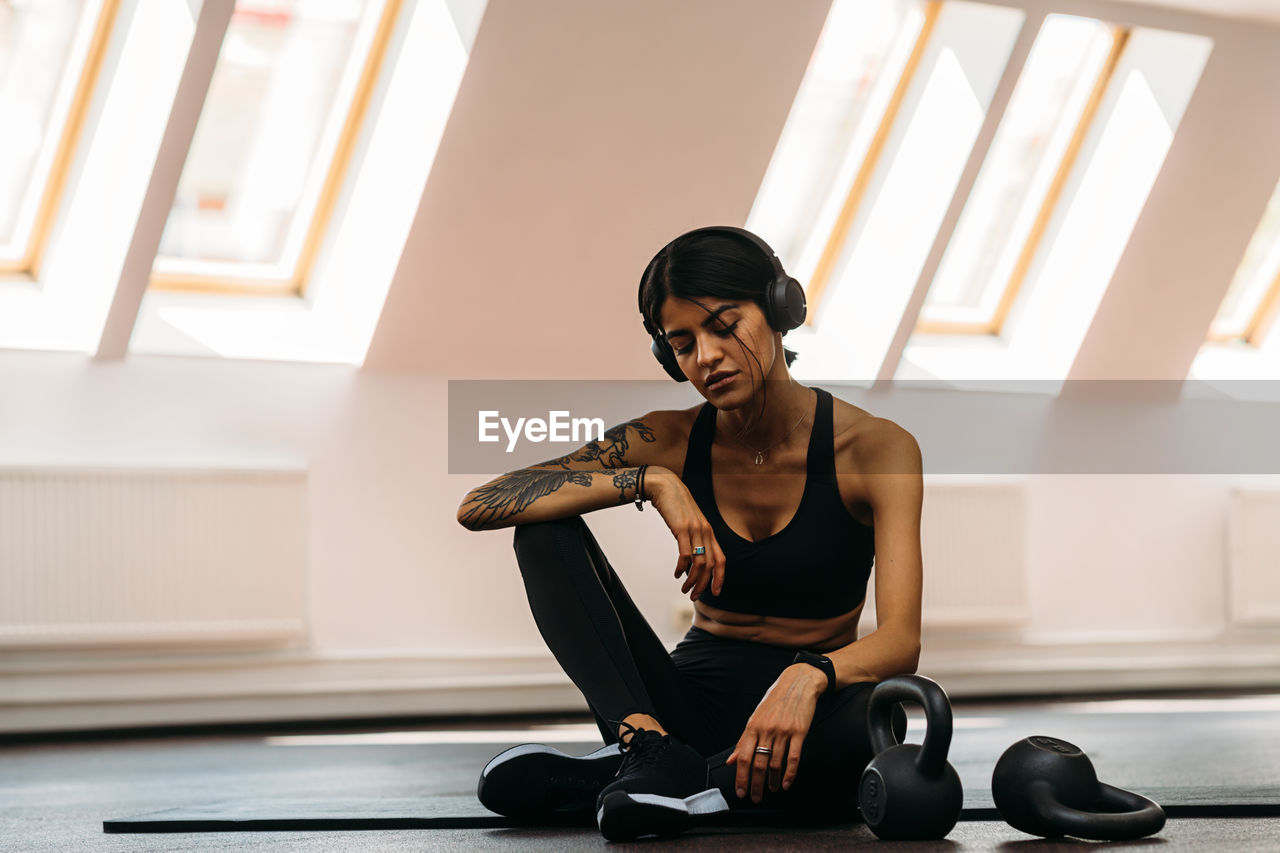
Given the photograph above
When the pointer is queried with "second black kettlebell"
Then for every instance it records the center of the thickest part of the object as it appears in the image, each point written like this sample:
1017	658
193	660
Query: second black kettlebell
910	791
1046	786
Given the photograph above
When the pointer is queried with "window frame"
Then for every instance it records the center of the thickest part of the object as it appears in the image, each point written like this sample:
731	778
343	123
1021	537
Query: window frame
295	284
1262	316
29	263
1260	324
838	237
1265	317
1031	245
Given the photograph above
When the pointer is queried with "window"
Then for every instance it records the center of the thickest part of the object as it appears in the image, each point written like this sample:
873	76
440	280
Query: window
923	214
1085	224
899	168
1055	100
850	94
1249	307
866	250
291	86
50	53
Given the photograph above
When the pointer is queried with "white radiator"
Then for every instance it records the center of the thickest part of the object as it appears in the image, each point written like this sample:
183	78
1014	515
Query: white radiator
1253	556
92	557
973	539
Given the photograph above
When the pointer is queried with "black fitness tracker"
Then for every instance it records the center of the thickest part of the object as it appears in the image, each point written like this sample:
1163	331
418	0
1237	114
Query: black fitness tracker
823	663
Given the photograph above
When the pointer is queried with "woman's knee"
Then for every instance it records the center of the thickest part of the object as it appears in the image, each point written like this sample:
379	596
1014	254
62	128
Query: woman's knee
843	720
538	541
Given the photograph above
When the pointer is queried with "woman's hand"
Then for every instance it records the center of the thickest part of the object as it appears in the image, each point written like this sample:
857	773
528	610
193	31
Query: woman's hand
780	722
690	527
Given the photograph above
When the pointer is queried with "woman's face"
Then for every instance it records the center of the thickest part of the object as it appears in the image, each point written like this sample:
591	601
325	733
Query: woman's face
706	350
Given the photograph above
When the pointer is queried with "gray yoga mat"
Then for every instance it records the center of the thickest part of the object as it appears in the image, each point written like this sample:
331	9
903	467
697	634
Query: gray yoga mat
460	812
1206	762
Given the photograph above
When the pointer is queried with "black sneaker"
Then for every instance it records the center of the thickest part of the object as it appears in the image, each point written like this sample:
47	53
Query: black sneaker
662	787
535	782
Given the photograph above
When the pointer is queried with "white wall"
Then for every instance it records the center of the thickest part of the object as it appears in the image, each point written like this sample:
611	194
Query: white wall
411	613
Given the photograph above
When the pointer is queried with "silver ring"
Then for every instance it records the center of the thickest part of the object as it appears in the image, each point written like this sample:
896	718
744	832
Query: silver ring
698	549
764	750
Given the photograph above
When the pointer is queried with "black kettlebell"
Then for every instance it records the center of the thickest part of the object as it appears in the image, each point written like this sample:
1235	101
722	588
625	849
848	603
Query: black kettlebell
910	791
1048	787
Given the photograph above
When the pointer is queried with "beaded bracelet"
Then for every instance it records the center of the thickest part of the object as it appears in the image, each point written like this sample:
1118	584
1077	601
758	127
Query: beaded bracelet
640	487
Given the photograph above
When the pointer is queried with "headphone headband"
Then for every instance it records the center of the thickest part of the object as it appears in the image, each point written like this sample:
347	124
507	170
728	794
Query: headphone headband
784	302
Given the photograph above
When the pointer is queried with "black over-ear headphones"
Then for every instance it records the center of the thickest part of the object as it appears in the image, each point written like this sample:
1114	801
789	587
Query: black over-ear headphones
784	304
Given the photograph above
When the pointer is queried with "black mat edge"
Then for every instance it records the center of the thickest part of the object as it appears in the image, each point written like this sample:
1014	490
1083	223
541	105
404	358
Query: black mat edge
127	826
307	824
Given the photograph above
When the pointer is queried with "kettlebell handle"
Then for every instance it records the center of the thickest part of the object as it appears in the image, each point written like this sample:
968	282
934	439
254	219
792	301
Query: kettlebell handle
1128	815
937	711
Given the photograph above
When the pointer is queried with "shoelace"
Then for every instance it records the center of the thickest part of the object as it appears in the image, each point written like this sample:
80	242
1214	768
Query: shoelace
642	749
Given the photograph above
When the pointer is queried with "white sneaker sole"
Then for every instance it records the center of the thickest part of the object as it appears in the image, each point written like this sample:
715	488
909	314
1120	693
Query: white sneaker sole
532	748
624	815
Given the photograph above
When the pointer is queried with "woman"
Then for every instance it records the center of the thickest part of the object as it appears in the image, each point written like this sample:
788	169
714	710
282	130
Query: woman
778	496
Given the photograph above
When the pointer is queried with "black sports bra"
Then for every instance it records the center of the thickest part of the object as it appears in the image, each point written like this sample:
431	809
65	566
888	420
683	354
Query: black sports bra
818	565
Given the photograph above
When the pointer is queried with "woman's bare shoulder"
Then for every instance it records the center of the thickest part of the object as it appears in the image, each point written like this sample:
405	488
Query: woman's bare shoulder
865	441
671	429
669	424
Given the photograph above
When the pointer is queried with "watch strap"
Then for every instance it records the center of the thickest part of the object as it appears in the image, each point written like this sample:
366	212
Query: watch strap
823	663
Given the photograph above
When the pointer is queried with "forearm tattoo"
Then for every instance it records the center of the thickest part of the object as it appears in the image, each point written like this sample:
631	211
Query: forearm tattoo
512	493
611	451
624	480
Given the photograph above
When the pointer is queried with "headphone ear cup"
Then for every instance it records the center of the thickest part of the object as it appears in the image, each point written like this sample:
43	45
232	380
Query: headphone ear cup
666	356
787	307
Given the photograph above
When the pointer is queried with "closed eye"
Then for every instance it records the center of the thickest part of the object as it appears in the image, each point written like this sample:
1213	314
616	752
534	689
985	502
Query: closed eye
724	333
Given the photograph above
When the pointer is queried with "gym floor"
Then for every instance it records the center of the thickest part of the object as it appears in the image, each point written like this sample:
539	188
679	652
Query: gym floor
56	792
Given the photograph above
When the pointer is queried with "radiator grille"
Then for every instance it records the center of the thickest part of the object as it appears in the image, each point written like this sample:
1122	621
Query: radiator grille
89	557
973	540
1253	558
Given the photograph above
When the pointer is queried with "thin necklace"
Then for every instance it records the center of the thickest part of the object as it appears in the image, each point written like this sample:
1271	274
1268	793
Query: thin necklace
760	453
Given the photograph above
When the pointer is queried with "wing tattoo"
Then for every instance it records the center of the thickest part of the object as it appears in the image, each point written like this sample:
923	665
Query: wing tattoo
511	494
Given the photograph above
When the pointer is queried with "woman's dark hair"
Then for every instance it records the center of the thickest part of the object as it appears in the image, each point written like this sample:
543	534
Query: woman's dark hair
708	264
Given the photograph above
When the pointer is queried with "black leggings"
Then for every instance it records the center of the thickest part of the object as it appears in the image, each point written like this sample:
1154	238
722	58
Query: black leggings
703	692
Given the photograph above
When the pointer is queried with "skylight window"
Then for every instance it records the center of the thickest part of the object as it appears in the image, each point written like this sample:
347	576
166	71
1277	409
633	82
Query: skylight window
1249	308
289	91
860	263
50	52
921	209
1023	175
851	91
1085	221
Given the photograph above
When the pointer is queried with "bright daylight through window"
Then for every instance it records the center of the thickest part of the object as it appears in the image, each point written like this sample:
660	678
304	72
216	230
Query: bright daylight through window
49	51
1022	175
1249	308
272	140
